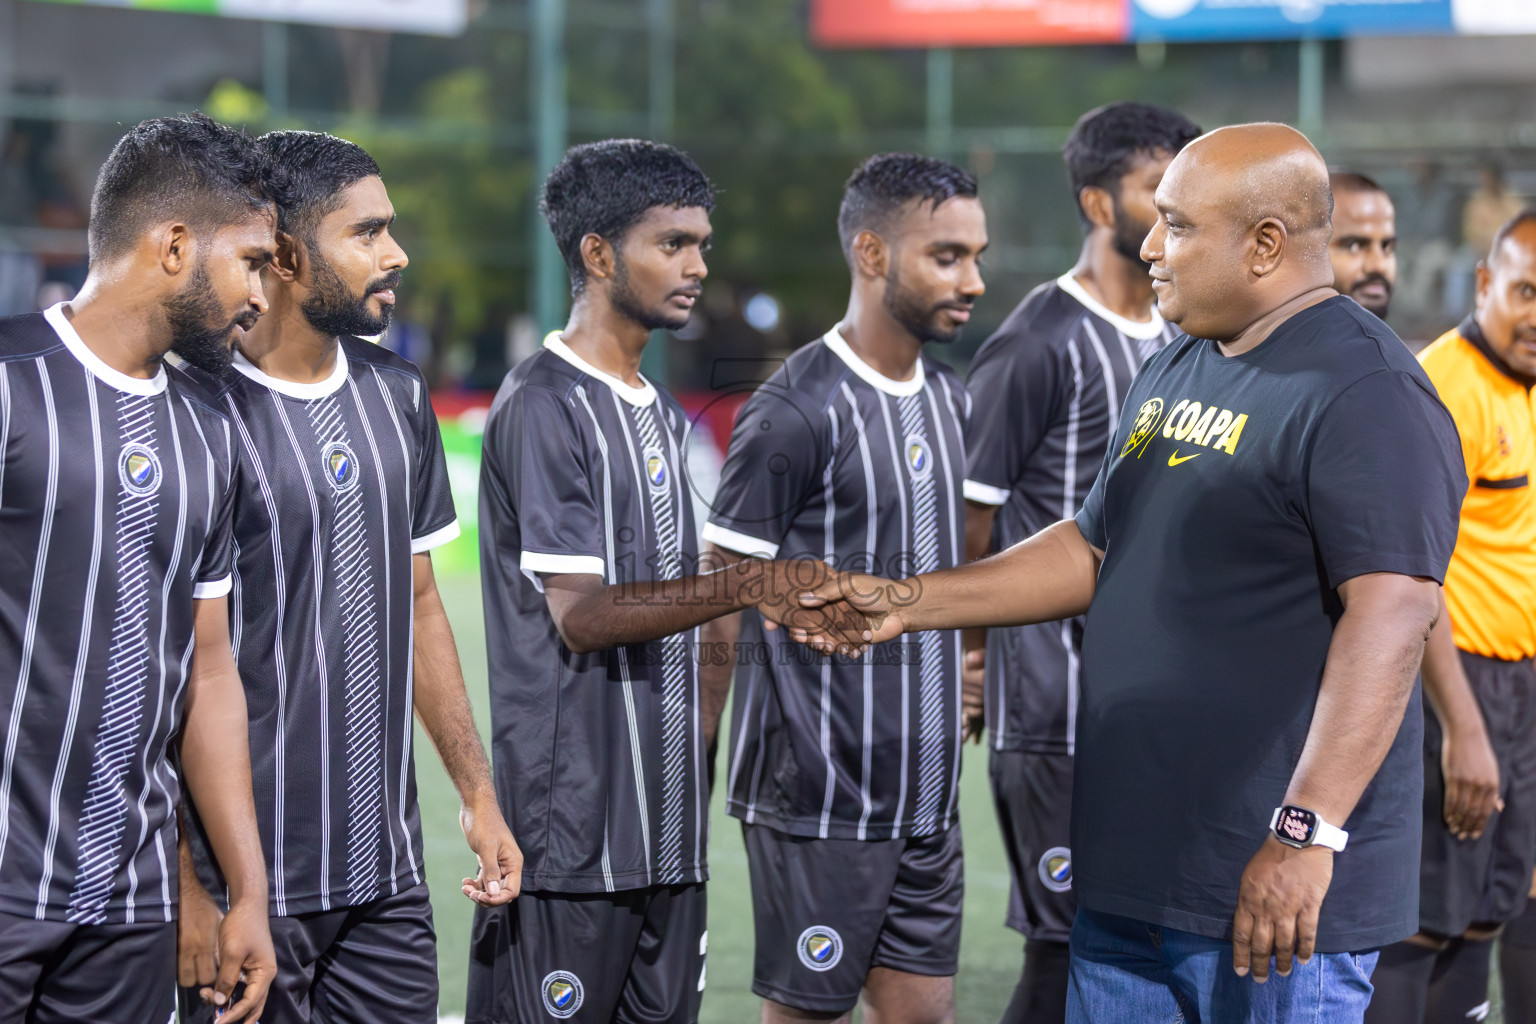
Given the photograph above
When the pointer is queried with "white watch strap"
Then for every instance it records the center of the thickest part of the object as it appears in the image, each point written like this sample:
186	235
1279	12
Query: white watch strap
1330	836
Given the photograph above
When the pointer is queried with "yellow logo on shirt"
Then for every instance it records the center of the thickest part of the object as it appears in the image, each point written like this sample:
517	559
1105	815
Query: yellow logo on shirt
1188	422
1146	421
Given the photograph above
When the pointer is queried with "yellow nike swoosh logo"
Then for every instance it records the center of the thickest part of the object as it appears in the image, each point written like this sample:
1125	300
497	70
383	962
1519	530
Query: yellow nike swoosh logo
1174	460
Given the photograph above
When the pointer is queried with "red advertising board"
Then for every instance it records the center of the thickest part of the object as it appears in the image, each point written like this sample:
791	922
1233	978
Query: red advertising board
922	23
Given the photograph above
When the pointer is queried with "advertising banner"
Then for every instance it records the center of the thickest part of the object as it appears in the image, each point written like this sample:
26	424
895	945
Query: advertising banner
967	22
429	17
1285	19
922	23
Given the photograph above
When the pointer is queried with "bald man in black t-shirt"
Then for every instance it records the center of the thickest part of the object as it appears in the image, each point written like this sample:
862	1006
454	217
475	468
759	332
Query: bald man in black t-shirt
1259	562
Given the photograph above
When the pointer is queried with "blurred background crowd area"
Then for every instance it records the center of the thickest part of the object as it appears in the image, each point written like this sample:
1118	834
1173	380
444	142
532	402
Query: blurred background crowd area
466	111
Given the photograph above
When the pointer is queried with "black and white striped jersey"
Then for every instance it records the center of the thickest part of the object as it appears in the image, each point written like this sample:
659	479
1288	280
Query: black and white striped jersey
115	497
342	481
831	460
1048	386
599	757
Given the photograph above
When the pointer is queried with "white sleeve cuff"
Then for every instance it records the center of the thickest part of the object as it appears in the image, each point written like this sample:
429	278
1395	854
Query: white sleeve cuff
984	494
741	543
537	561
207	589
435	539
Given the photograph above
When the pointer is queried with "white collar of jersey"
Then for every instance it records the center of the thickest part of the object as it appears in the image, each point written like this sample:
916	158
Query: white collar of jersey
641	396
868	374
293	388
1132	328
95	365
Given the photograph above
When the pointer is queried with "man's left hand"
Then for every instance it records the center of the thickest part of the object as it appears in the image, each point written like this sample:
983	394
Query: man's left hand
501	860
1278	902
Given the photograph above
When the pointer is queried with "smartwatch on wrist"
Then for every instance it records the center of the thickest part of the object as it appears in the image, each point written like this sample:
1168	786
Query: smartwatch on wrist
1301	828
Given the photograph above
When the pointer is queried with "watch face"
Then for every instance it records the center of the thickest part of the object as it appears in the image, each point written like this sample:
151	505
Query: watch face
1296	825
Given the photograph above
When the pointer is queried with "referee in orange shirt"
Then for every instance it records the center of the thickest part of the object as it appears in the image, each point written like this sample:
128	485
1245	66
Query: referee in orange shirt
1479	674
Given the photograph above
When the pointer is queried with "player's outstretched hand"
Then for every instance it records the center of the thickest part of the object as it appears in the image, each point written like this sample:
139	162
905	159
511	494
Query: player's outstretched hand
1471	781
245	955
873	603
500	878
1278	902
197	935
781	592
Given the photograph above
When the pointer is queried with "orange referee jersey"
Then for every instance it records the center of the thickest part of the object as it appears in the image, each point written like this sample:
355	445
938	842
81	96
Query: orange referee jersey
1490	587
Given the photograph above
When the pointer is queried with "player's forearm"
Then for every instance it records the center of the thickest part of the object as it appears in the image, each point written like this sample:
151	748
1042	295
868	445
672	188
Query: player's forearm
1445	682
442	703
1367	681
1050	576
717	663
186	868
644	610
216	766
978	544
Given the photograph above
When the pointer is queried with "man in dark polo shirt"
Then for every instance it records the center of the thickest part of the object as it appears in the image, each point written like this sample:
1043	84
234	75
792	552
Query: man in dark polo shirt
1259	562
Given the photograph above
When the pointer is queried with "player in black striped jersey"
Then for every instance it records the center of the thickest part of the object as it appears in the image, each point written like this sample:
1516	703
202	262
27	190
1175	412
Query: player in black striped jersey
844	770
116	681
1048	387
338	627
593	596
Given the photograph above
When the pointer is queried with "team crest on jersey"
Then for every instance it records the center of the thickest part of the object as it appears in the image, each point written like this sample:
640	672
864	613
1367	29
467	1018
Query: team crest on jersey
1055	869
1146	421
656	468
820	947
340	465
919	458
562	993
138	467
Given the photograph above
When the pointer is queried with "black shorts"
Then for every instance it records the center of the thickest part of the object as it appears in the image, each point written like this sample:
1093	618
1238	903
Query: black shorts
1033	796
632	957
1484	881
52	972
828	910
373	962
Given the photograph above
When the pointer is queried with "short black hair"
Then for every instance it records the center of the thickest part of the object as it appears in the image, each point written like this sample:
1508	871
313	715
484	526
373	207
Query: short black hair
318	167
1108	139
1509	227
605	188
188	168
883	184
1353	181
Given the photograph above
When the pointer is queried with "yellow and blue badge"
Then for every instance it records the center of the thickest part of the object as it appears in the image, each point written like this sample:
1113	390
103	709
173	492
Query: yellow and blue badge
820	947
562	994
919	458
656	468
1056	869
138	468
340	465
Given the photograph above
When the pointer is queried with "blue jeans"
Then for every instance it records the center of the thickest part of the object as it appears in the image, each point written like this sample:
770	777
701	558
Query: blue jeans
1130	972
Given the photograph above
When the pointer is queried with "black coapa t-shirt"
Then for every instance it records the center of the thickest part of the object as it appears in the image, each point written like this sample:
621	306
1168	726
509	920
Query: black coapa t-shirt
1236	496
